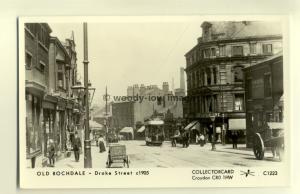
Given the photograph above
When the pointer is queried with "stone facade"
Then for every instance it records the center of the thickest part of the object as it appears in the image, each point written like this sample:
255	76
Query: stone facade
214	68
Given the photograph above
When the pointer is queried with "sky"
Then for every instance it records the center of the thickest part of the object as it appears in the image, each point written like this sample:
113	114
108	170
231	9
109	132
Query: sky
123	54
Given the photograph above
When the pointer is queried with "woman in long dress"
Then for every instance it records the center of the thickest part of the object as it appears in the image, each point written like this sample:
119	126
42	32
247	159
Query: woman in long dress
101	144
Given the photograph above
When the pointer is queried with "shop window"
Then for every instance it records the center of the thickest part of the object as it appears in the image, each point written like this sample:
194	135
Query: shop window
238	102
267	48
33	136
267	85
237	51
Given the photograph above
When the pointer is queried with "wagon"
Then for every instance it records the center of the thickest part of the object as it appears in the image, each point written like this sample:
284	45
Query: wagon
117	154
270	137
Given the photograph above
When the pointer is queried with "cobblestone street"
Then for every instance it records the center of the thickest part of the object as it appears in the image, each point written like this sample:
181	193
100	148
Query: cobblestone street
166	156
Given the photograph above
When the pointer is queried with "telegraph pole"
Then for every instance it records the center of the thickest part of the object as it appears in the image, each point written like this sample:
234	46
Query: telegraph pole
87	141
106	117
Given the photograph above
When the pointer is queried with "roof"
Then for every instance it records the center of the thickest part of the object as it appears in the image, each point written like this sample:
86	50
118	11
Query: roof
94	125
244	29
236	30
275	57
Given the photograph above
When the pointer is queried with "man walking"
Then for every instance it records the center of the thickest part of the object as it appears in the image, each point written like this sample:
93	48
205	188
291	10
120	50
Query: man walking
77	147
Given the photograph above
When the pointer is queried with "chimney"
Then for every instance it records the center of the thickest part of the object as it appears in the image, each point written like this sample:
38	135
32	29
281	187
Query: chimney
182	79
165	87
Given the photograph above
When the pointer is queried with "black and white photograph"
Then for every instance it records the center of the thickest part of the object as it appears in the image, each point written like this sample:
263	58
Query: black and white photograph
121	95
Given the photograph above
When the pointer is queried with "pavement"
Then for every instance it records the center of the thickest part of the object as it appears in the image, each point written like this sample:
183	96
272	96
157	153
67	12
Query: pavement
165	156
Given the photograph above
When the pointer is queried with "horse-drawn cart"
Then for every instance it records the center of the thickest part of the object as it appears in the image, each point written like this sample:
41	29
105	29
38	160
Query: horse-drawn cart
117	154
270	137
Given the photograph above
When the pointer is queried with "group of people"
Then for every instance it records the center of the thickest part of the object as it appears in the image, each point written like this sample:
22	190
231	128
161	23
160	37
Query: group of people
201	139
76	144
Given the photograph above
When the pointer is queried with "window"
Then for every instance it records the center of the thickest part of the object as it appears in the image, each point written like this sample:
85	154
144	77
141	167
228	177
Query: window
267	48
267	85
252	48
237	51
208	77
206	53
269	117
28	60
222	50
238	102
215	75
60	78
41	66
213	52
238	74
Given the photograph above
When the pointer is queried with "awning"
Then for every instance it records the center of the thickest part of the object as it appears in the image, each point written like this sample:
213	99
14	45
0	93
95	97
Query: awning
95	126
141	129
237	124
275	125
154	122
192	124
127	130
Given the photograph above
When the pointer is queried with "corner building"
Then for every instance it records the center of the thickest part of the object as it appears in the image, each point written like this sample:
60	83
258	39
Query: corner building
214	69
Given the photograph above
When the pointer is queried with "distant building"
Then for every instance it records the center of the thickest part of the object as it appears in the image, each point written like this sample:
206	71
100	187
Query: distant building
156	101
264	95
214	69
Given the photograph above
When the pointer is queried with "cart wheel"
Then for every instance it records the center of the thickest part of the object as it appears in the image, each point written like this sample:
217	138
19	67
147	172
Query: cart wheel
127	162
258	147
281	153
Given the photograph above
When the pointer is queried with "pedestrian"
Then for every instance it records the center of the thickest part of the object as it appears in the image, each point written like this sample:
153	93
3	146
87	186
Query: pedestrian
101	144
202	140
175	137
234	137
77	147
185	139
51	153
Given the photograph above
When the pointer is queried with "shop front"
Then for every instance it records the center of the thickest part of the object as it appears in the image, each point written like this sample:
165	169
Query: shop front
34	133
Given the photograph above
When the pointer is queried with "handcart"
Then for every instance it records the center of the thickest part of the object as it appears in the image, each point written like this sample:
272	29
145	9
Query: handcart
271	137
117	154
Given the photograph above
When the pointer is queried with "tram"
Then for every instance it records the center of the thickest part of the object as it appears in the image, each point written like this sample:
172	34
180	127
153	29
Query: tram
154	132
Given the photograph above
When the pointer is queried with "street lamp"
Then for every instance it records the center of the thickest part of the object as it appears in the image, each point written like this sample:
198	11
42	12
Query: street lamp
213	140
87	141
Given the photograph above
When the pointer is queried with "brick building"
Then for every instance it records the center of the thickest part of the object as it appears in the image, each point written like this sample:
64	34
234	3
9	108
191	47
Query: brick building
214	69
264	95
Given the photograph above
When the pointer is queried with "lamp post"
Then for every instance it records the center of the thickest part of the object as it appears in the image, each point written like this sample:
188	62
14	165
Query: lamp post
213	139
87	141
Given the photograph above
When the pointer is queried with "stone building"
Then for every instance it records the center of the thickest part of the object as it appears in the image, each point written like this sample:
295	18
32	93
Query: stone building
53	108
214	69
37	40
